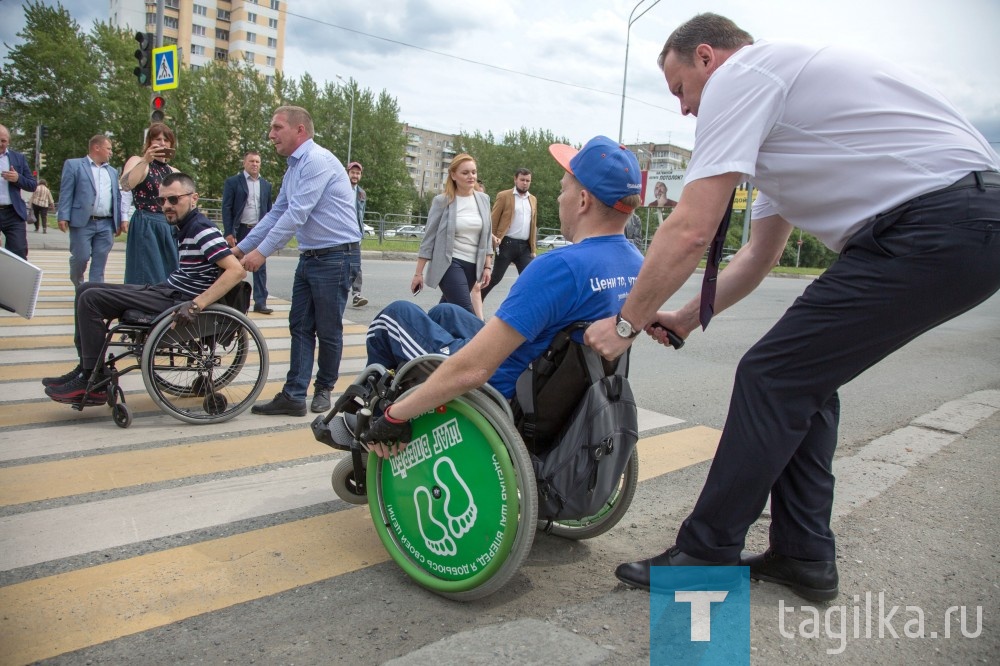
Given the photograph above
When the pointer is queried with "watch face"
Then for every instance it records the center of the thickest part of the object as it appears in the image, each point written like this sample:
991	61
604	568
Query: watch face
624	329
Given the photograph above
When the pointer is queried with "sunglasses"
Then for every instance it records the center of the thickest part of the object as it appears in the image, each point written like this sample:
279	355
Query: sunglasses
173	198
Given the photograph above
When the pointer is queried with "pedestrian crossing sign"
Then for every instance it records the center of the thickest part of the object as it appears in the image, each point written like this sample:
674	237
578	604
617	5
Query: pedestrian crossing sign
165	67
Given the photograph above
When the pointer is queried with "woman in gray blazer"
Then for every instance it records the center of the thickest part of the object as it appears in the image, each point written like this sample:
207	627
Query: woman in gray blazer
457	241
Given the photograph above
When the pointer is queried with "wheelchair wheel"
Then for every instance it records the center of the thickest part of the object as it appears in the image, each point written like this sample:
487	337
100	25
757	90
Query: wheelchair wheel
457	509
344	483
609	515
209	371
122	415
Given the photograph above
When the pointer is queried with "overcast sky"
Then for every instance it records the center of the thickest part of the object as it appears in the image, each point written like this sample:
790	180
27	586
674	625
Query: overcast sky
498	65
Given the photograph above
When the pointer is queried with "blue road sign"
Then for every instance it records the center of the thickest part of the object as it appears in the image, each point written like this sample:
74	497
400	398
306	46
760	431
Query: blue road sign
165	72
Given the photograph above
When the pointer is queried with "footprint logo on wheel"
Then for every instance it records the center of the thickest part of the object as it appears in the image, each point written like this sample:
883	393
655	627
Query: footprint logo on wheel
439	541
459	506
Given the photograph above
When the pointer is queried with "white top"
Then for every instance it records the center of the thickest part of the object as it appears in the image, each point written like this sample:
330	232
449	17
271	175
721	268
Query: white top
831	137
4	189
468	228
251	212
520	224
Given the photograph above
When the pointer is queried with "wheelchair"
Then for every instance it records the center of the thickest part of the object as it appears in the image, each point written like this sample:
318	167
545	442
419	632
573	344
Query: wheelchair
458	508
209	371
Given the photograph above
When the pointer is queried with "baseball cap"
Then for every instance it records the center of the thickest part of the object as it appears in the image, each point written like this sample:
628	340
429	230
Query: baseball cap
355	164
606	168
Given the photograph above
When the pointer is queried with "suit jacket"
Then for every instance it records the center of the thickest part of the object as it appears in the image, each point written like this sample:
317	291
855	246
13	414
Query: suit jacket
503	215
234	200
78	192
439	236
25	182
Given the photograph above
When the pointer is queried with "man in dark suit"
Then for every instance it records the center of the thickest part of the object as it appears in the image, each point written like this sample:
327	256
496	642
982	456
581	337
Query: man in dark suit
515	227
90	207
246	197
13	213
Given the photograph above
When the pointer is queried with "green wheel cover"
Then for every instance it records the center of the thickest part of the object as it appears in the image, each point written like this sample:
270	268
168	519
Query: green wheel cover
447	508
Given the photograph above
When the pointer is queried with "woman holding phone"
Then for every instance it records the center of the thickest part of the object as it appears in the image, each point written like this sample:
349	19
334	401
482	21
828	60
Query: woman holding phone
150	251
458	238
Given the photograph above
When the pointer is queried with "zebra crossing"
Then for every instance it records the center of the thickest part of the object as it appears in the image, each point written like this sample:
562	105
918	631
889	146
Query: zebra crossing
107	532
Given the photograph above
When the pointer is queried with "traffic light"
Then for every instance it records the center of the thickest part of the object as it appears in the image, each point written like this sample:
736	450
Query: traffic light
43	131
41	161
144	56
157	115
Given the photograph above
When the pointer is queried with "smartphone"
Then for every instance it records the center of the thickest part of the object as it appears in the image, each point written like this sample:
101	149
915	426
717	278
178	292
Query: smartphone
167	153
417	289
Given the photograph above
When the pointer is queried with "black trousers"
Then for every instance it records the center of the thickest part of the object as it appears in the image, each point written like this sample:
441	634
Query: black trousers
97	302
15	231
259	275
512	251
912	268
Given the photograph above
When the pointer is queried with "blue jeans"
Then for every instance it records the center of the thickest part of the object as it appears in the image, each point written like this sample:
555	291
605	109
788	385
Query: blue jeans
92	244
319	296
402	331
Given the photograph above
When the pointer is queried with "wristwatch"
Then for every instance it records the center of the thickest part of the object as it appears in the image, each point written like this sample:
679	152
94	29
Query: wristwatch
624	329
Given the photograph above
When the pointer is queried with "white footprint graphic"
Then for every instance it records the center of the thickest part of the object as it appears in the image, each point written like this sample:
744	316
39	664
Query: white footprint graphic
443	546
459	524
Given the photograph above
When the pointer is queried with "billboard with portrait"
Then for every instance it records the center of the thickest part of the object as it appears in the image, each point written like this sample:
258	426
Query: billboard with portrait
662	189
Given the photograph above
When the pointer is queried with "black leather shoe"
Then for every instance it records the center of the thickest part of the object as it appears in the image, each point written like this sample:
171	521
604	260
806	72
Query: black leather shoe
320	401
815	581
281	405
636	574
262	309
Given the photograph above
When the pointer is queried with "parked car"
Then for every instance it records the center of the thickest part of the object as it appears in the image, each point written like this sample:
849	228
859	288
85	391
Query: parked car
406	231
726	259
369	229
553	241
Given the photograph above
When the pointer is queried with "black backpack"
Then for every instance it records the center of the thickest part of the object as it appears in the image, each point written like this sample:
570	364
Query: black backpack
578	418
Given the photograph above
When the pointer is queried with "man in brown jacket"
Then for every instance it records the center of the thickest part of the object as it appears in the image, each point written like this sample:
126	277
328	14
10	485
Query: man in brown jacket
515	226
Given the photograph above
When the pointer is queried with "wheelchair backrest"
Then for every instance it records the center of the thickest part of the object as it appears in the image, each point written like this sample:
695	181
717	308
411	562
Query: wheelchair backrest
238	298
550	389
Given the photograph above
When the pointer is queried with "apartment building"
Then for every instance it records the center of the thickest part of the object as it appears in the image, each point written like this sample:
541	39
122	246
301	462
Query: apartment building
660	156
251	31
428	156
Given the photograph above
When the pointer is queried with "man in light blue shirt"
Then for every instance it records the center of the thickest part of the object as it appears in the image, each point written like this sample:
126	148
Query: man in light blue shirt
90	209
316	205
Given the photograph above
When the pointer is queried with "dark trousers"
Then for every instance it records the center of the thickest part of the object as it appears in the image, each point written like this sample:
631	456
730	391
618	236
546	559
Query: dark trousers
914	267
15	230
512	251
456	284
260	275
41	216
97	302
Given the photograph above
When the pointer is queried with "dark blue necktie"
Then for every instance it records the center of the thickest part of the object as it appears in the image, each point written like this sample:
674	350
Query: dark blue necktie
707	308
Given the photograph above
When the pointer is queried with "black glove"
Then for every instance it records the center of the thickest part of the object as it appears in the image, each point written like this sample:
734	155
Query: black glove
186	313
388	432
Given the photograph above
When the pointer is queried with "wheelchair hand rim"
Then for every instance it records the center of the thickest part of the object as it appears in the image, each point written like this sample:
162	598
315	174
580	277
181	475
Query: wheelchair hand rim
404	544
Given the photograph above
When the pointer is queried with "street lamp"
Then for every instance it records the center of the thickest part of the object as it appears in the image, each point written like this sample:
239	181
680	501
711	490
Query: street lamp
621	118
350	129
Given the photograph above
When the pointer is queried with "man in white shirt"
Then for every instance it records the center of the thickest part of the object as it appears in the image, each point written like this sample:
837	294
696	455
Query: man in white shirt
246	197
90	208
886	172
515	226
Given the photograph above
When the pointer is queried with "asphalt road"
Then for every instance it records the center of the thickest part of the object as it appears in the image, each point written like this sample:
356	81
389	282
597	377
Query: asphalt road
213	544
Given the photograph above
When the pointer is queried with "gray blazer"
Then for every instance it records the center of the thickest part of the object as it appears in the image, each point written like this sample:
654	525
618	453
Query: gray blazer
439	237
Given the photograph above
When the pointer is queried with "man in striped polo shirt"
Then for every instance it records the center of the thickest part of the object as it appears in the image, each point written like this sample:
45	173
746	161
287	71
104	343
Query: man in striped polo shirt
207	271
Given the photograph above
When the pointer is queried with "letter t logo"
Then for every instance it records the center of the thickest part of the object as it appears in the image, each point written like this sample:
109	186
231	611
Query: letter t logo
701	607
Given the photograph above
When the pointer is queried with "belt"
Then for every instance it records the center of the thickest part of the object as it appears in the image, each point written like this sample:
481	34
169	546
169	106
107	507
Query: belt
978	179
99	217
516	240
5	206
344	247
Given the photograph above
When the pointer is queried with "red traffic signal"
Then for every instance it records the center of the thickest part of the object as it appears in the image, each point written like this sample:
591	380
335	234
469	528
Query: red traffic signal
158	105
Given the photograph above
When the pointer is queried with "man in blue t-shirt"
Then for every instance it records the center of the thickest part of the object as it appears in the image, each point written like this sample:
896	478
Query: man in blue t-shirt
585	281
207	271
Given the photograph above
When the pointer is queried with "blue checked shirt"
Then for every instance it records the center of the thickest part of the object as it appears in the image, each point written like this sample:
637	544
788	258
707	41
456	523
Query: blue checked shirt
316	205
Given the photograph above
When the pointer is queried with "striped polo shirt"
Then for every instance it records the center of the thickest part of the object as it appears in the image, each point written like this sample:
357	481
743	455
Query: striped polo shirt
200	245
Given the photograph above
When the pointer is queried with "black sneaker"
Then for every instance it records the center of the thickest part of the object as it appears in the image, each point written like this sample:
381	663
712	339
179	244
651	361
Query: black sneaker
281	405
62	379
321	401
359	301
72	391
